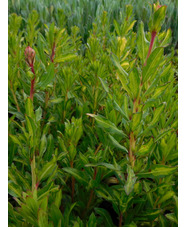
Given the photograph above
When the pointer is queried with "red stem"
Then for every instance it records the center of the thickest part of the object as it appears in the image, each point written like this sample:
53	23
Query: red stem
153	35
53	53
32	83
120	219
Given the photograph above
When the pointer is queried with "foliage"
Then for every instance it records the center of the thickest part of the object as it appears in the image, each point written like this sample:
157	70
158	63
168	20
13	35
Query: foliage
94	126
84	13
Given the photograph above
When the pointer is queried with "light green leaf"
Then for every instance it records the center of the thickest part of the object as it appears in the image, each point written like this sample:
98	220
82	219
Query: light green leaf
156	115
117	145
152	63
47	77
136	119
77	174
142	43
131	180
145	148
65	58
172	217
43	146
158	171
47	170
134	82
107	125
167	39
123	75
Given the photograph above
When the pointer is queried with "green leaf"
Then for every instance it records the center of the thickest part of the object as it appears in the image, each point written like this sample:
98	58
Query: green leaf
168	195
14	190
43	146
65	58
31	126
107	165
131	180
118	108
105	214
150	215
158	171
15	140
152	63
167	39
158	19
107	125
41	49
38	114
47	77
29	108
145	148
142	43
105	86
47	170
56	101
77	174
42	218
149	194
172	217
161	135
136	119
117	145
134	83
92	221
123	75
156	116
159	91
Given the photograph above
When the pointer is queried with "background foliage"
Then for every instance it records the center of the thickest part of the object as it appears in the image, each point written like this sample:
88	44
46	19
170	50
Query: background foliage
83	13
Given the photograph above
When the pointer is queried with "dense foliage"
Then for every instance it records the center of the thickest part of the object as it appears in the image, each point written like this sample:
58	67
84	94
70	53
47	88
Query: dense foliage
83	13
93	127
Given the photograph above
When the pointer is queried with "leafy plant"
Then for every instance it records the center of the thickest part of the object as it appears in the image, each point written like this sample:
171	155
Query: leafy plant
93	130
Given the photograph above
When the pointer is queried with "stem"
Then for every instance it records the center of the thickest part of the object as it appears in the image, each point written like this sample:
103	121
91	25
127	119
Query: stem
32	83
32	89
120	219
53	53
46	105
91	194
131	149
98	148
153	35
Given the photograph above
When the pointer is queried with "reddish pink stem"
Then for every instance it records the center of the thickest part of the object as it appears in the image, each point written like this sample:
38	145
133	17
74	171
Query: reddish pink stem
153	35
32	83
53	53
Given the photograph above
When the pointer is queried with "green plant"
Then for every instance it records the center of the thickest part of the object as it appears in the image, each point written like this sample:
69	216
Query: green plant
98	125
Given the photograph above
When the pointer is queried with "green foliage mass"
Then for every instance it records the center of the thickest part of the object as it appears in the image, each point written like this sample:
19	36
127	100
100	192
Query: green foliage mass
83	13
102	125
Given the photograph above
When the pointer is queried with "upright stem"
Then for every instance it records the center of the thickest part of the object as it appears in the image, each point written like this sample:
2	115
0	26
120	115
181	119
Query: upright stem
153	35
32	89
53	53
120	219
32	83
131	149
